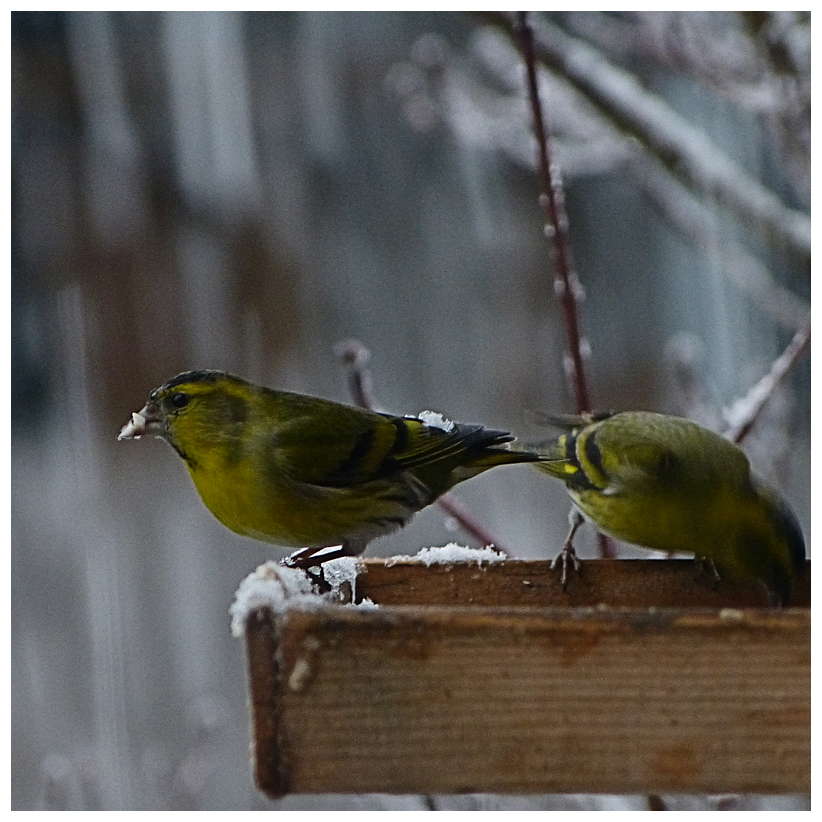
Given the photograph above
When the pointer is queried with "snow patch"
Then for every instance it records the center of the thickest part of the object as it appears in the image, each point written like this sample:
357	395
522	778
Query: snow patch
435	420
278	587
449	554
270	585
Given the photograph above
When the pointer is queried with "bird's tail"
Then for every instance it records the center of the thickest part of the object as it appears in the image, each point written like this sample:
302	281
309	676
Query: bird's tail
489	448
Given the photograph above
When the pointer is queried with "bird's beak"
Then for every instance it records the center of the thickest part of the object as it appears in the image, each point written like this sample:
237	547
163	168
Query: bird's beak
145	422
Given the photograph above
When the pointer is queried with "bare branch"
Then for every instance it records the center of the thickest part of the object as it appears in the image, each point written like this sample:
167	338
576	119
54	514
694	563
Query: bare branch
583	141
355	357
566	283
552	202
672	138
744	412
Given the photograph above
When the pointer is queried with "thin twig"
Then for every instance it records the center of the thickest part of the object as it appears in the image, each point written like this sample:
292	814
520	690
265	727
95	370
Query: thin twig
566	283
475	529
744	412
552	203
355	356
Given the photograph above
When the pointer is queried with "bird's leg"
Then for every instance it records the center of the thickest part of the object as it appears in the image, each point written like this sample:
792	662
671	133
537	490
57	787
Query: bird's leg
706	564
304	560
568	553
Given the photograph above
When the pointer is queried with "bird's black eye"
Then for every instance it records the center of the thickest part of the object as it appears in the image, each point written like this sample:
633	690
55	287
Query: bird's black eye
180	400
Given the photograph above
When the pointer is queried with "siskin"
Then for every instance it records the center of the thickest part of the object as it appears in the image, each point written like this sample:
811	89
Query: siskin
666	483
302	471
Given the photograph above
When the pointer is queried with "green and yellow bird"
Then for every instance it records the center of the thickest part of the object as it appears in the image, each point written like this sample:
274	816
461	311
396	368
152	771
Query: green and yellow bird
668	484
308	473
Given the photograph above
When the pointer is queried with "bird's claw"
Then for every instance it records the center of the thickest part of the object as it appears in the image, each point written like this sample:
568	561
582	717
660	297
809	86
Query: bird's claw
707	565
294	561
568	554
313	570
565	557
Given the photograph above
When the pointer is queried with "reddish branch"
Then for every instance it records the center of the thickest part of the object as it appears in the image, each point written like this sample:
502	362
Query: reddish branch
566	283
552	202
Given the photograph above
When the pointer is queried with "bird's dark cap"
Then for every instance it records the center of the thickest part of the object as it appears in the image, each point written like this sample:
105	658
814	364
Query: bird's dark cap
197	376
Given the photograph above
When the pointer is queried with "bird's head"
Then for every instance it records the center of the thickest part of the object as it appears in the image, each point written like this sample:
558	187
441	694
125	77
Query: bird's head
193	410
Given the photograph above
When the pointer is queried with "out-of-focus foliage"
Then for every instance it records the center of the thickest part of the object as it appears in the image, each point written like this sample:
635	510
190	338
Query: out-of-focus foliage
241	191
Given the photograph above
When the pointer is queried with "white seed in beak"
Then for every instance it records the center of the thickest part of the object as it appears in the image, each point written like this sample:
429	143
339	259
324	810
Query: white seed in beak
135	429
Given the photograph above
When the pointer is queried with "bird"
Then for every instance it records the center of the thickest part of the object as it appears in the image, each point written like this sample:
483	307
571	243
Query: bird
305	472
665	483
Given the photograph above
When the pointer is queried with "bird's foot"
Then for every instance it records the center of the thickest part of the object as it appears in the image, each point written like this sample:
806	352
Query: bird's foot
565	558
306	561
568	555
705	565
300	559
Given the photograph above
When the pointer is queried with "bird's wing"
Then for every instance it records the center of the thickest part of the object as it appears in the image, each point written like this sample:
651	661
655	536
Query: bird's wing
341	446
631	454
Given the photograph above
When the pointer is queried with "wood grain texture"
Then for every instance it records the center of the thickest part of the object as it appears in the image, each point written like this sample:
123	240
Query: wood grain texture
674	583
411	698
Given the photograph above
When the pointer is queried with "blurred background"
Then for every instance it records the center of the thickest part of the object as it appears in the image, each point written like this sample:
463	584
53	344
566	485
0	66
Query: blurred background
243	191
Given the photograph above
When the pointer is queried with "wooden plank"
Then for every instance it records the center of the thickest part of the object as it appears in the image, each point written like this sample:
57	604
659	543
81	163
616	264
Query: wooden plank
674	583
412	700
265	702
489	689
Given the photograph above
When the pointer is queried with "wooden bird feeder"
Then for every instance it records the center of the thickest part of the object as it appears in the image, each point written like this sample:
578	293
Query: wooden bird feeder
486	677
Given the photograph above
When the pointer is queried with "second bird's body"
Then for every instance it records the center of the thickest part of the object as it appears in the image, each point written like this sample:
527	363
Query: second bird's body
666	483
